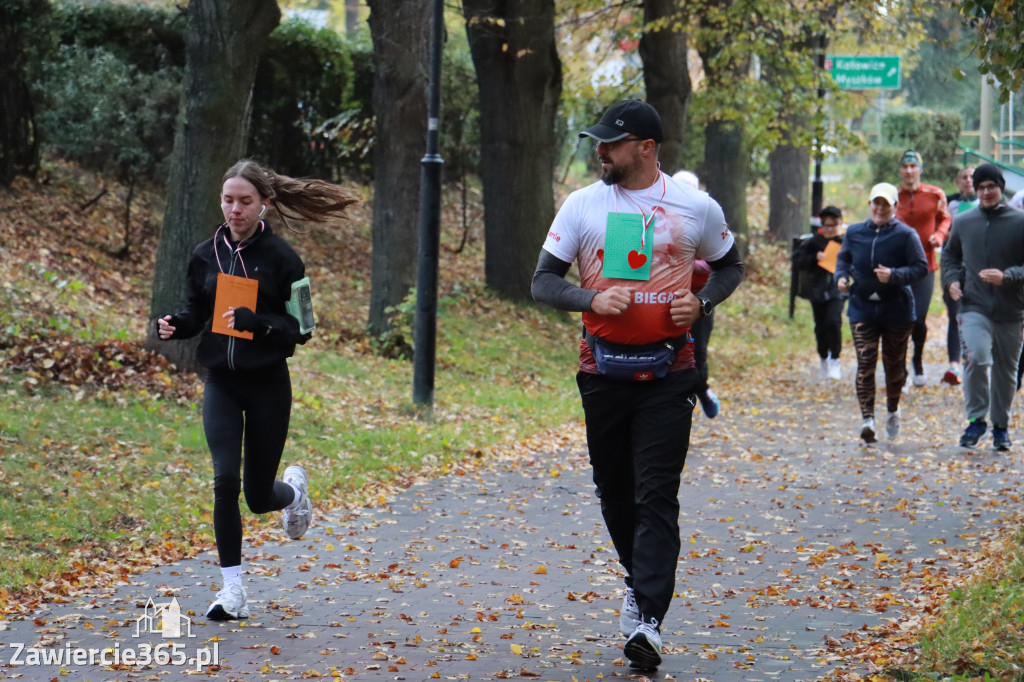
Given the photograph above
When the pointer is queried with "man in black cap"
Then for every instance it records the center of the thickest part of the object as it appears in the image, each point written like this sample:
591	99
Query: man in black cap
983	269
635	236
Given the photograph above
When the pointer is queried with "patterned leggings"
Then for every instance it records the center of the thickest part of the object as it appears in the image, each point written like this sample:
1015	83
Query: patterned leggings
894	362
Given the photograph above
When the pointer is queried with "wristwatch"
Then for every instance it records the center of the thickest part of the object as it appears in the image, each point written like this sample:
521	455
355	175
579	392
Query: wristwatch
705	306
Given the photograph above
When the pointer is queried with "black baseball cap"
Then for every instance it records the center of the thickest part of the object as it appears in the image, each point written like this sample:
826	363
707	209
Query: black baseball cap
628	117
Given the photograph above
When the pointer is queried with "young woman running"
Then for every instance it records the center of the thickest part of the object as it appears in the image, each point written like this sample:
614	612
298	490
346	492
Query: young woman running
247	397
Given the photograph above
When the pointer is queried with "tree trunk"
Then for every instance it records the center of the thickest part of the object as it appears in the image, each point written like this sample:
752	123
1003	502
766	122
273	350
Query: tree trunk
726	173
667	77
223	41
789	177
520	79
726	158
400	31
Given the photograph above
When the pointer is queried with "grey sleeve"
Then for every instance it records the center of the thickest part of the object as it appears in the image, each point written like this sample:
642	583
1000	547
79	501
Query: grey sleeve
951	266
726	275
550	286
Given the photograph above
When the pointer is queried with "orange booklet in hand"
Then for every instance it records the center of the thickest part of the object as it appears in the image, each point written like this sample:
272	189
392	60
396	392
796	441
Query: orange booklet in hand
829	261
233	292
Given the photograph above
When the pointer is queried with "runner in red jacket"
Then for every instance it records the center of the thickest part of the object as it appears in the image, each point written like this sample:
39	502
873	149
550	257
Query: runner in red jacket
923	207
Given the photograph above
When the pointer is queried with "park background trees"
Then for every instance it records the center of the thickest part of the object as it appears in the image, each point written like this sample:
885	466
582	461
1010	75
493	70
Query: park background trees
737	83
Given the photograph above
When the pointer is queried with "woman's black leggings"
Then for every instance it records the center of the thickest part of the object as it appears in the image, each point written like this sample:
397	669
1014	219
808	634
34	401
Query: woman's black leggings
251	409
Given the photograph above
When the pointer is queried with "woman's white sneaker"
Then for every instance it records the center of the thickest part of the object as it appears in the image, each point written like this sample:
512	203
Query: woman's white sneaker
296	519
892	424
230	604
867	430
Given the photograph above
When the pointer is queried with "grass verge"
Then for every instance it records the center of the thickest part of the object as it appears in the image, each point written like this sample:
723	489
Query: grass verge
979	631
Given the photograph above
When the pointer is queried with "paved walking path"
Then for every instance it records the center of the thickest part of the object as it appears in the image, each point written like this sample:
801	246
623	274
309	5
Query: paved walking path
794	536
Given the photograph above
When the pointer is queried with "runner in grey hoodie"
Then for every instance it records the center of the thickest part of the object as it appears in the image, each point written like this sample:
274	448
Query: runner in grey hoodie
983	269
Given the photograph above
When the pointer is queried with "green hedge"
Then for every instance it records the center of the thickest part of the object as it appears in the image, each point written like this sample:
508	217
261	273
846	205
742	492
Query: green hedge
933	134
312	105
304	79
146	38
108	115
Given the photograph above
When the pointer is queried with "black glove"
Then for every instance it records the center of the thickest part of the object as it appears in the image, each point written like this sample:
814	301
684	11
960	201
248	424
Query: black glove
248	321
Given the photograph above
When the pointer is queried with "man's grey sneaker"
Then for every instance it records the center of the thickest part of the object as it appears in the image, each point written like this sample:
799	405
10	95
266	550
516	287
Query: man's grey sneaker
920	379
973	433
629	613
643	649
296	520
892	424
1000	438
230	604
867	430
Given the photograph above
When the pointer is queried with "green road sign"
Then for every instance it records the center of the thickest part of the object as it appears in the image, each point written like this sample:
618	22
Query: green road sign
864	72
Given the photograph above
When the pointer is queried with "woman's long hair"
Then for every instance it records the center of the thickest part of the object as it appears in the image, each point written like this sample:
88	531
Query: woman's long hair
298	198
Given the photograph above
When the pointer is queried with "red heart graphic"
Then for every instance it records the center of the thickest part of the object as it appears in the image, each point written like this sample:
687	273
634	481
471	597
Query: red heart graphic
636	260
600	255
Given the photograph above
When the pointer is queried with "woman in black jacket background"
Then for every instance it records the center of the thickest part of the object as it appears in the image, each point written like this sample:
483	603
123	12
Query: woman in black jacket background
247	395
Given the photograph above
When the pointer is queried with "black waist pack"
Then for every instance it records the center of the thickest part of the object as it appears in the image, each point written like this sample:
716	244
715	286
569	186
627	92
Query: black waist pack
634	363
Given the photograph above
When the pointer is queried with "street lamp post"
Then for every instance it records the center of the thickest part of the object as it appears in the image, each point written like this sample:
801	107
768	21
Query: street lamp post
429	230
817	185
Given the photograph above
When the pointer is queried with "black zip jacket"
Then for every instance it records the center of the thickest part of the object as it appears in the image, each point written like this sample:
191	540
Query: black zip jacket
275	265
821	286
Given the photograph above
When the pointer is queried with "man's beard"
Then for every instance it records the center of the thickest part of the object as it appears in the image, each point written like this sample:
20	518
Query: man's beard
612	176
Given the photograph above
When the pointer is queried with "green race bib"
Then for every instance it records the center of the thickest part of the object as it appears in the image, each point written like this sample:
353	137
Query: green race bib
624	257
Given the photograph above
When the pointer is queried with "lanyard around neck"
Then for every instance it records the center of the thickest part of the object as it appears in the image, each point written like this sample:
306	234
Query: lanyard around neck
237	251
645	220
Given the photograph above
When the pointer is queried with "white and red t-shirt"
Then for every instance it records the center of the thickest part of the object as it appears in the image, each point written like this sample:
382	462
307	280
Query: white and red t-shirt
688	225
